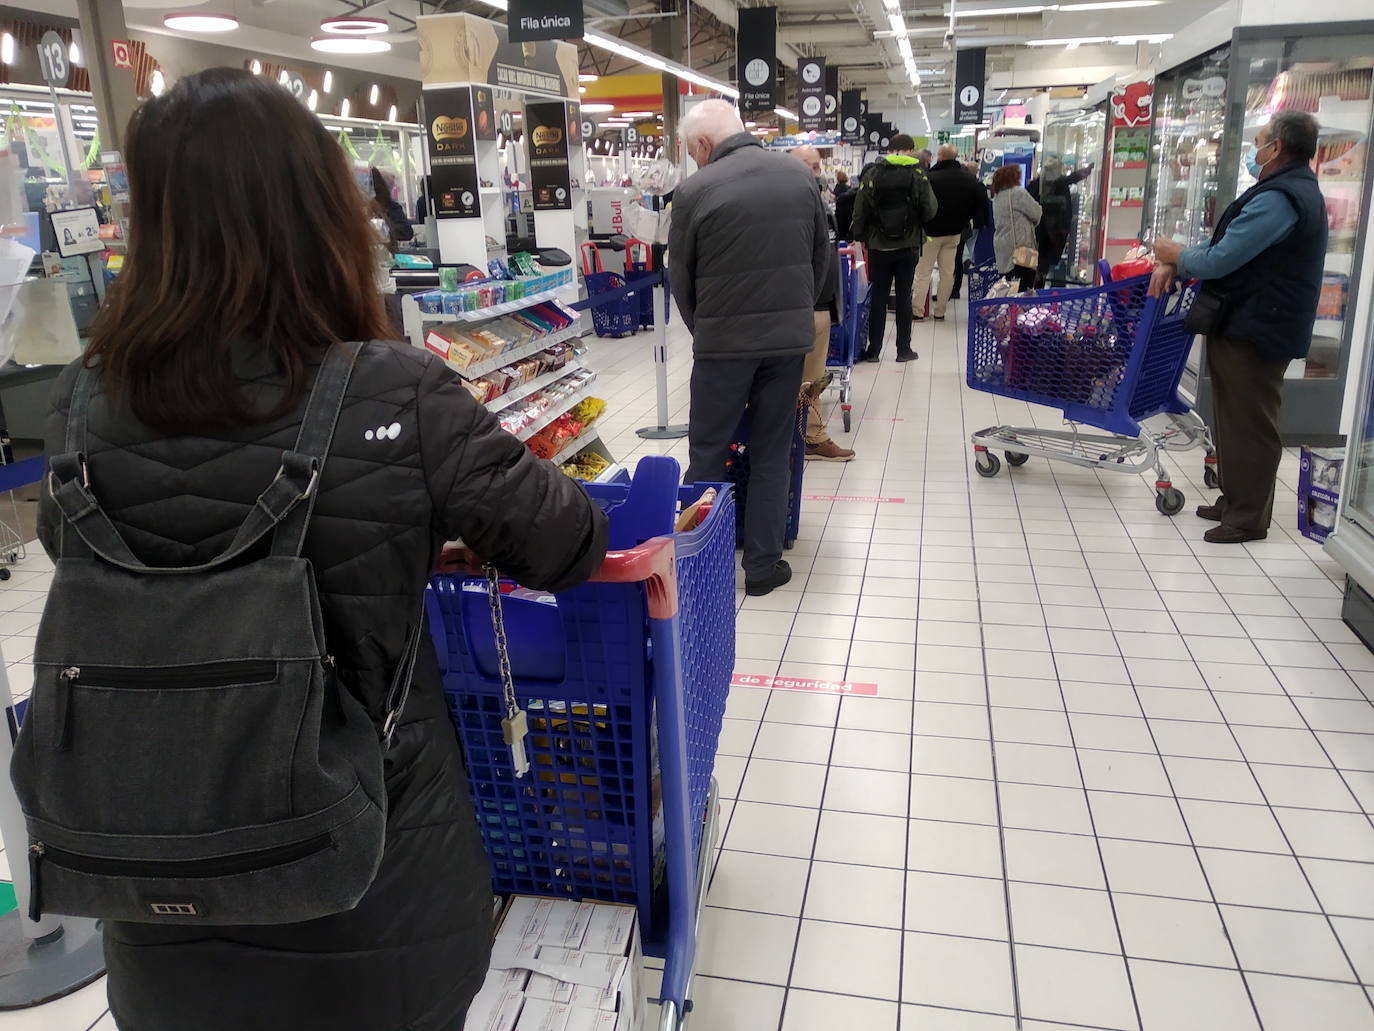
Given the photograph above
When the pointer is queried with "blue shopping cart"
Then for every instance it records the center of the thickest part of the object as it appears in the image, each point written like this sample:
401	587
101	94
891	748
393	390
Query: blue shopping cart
737	469
848	337
624	682
1108	357
980	278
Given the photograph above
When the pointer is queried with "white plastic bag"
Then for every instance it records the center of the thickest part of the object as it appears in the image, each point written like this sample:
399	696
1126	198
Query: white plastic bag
41	329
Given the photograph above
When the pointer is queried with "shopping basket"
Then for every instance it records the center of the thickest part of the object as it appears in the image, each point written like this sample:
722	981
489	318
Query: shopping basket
639	265
848	337
624	681
1108	357
614	318
980	278
737	470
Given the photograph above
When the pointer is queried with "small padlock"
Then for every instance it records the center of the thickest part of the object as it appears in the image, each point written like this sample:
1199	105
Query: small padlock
514	730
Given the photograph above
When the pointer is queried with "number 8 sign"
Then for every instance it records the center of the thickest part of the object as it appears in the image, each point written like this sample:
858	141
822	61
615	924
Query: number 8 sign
52	59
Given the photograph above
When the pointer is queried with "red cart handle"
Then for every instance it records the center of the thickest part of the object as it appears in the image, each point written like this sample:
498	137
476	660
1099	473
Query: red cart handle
654	563
589	250
630	246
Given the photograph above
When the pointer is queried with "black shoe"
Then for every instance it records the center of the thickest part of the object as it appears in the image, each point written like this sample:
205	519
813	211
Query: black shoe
939	318
1233	535
907	356
781	574
954	296
870	356
1212	512
918	318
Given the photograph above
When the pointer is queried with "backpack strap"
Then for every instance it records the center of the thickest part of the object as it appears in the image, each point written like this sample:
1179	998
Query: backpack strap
296	481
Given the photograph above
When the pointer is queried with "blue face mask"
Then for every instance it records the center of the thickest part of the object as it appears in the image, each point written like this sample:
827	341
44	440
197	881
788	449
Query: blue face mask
1252	163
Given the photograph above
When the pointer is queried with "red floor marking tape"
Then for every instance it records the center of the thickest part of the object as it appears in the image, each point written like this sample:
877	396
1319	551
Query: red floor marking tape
854	497
802	684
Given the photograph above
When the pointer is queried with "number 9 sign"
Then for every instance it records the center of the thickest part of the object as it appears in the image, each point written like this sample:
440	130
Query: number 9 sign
52	59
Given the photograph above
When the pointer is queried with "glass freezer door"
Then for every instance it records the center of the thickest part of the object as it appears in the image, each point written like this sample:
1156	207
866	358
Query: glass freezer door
1070	190
1331	78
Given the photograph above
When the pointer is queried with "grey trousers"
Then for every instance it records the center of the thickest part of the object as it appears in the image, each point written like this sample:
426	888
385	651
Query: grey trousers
723	391
1247	394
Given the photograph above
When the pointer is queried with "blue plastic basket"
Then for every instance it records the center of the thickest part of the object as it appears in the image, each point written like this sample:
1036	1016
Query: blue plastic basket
593	667
737	470
1107	356
847	339
615	317
980	278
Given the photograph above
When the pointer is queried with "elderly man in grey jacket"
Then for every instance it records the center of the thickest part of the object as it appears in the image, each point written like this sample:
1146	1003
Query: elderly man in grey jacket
748	255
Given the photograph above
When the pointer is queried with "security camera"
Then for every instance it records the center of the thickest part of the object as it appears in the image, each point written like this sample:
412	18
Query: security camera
949	39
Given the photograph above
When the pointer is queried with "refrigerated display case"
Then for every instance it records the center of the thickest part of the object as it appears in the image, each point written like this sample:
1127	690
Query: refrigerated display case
1206	115
1352	542
1127	158
1071	176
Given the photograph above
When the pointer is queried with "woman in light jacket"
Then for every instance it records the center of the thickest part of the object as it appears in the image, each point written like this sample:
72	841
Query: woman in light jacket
1016	214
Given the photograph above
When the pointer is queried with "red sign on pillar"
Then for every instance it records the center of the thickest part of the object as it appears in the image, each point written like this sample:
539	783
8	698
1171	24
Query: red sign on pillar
123	58
1132	105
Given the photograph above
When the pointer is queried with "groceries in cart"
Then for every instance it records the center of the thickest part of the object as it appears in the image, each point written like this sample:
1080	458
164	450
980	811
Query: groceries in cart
560	965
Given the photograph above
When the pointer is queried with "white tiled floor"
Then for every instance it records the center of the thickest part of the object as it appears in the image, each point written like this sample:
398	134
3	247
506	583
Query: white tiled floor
1113	777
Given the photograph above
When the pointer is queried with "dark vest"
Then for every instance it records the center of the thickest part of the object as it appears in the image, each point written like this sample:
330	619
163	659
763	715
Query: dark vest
1273	297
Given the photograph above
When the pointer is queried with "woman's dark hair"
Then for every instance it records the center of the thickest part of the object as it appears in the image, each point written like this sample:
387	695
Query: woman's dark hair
245	225
841	176
1005	178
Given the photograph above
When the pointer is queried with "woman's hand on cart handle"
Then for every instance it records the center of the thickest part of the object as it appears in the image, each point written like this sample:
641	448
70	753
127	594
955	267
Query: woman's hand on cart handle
460	560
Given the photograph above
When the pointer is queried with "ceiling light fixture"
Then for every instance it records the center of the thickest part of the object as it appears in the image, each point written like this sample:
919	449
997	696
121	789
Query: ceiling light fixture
349	45
200	22
255	67
593	109
1104	5
6	49
313	100
1077	41
374	94
328	81
587	76
785	113
283	76
343	108
354	25
391	115
74	51
157	82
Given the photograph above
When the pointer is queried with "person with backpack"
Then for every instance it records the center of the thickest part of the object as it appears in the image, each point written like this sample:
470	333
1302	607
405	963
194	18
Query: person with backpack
893	204
238	755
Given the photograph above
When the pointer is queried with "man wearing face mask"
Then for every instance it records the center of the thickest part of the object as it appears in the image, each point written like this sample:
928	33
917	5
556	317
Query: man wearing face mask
748	253
819	445
1261	279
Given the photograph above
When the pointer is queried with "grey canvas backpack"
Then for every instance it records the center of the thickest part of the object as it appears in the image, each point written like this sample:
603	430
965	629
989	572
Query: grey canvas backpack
188	755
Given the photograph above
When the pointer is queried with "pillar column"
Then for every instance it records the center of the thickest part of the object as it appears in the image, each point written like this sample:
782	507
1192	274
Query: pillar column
112	88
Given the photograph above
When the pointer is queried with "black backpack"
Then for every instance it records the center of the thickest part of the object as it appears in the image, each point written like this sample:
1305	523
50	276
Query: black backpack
189	755
894	215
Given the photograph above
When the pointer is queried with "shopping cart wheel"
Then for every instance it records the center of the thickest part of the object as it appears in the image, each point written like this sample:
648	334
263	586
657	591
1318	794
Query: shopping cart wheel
1016	458
4	573
1210	477
987	464
847	413
1169	501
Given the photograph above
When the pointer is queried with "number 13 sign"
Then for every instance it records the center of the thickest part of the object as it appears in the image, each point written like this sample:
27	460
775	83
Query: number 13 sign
52	59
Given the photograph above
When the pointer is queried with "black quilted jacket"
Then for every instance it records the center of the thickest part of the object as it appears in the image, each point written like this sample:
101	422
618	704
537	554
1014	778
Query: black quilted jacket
415	461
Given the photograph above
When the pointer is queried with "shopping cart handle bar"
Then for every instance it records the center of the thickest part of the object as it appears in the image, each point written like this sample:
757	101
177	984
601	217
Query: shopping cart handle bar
654	563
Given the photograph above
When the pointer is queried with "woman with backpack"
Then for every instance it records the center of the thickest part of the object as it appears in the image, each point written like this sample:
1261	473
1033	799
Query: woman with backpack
1015	214
238	427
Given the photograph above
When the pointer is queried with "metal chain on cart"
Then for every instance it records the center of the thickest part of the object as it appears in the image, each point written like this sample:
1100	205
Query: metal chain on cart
515	724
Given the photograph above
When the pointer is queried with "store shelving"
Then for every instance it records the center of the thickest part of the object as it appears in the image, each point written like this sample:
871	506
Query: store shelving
557	409
495	311
578	444
483	368
523	391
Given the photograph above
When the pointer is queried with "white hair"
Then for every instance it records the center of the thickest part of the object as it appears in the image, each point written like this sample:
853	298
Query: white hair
712	120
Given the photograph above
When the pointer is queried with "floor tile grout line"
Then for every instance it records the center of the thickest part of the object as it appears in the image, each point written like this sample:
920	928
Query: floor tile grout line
1018	1015
1078	763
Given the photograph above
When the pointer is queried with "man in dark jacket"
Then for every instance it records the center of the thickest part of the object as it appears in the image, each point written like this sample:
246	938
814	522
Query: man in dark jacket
749	252
1261	279
894	201
819	445
961	200
1052	189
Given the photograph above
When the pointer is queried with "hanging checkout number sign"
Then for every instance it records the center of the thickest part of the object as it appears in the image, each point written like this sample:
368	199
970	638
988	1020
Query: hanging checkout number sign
53	61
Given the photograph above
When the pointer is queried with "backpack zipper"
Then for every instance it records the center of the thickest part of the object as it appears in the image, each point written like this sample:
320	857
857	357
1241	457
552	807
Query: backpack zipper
208	674
215	866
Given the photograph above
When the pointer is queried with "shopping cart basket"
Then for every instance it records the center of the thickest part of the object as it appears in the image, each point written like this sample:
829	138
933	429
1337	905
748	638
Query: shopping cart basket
615	318
624	682
1108	357
848	337
980	278
639	265
737	469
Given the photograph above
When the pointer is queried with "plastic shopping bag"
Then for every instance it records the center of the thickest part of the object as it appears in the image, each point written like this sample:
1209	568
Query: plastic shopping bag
41	329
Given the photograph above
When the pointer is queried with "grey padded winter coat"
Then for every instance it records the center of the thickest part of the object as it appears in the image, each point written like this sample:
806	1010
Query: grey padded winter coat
413	952
1015	215
749	253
